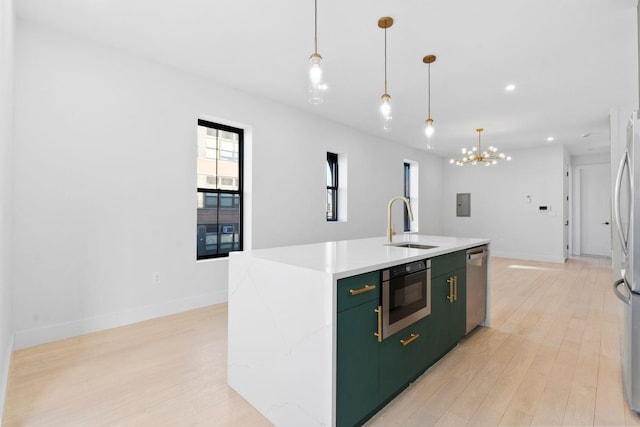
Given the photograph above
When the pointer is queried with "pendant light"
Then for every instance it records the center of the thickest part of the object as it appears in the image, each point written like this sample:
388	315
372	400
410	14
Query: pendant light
428	130
316	86
385	107
475	155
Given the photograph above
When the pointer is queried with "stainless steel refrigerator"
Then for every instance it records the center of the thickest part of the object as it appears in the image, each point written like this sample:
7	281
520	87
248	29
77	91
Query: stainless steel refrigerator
626	207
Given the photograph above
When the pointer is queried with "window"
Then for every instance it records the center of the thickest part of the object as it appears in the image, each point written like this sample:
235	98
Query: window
332	187
407	194
219	190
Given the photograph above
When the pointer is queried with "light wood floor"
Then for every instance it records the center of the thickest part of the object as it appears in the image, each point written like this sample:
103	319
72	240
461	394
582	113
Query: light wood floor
551	357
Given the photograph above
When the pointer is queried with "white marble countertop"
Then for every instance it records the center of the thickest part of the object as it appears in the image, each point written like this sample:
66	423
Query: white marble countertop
350	257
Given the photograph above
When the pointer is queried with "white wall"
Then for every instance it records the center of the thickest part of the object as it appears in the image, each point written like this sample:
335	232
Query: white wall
499	206
6	154
105	185
591	159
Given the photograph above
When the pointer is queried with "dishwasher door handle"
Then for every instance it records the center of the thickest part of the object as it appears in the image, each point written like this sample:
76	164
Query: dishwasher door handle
477	255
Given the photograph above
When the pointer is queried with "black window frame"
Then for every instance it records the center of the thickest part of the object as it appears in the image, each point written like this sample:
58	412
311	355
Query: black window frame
407	194
218	192
332	190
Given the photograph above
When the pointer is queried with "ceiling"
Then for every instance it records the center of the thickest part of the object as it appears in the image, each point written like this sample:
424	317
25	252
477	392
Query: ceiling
571	60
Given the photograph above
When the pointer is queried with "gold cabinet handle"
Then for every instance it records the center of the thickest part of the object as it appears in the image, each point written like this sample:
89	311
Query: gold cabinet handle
366	288
379	333
450	296
455	288
409	340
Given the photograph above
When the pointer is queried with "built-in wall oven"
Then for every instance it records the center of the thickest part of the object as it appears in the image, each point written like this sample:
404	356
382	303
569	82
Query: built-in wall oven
406	295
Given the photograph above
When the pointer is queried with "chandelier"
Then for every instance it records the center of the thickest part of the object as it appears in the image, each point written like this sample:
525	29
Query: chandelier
475	155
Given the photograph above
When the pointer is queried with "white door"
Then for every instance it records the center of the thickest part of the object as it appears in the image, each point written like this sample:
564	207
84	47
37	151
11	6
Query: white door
595	210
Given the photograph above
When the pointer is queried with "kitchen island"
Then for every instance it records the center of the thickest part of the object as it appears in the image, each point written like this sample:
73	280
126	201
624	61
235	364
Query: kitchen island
284	355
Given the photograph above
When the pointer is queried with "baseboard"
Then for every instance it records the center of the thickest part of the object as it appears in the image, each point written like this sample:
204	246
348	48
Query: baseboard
36	336
5	376
528	257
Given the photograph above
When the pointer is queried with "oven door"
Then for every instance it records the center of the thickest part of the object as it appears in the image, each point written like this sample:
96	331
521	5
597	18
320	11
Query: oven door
405	300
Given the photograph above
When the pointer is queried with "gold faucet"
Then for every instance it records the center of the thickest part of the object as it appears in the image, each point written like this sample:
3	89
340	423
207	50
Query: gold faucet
389	226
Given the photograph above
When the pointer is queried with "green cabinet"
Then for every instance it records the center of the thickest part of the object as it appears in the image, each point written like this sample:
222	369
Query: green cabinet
369	373
403	358
357	368
448	301
459	305
446	263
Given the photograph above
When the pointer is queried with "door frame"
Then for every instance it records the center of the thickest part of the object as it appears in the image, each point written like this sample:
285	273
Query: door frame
575	224
567	199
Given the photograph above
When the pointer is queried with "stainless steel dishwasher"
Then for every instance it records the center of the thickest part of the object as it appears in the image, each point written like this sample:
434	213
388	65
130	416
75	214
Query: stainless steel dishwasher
477	259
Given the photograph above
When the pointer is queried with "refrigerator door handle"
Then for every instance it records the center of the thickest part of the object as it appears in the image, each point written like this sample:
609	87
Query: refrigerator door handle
616	201
624	298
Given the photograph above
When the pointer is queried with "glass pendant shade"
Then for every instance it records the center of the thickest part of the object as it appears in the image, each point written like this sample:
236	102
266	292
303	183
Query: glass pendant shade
315	79
385	112
429	129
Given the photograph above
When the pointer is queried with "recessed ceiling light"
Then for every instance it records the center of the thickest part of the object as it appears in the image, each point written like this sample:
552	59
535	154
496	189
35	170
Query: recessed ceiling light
550	139
510	88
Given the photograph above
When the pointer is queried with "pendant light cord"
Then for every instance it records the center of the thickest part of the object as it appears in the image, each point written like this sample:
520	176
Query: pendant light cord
315	34
429	90
385	59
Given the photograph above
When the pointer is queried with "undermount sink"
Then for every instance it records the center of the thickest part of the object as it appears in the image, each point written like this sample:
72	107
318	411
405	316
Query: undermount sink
410	245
